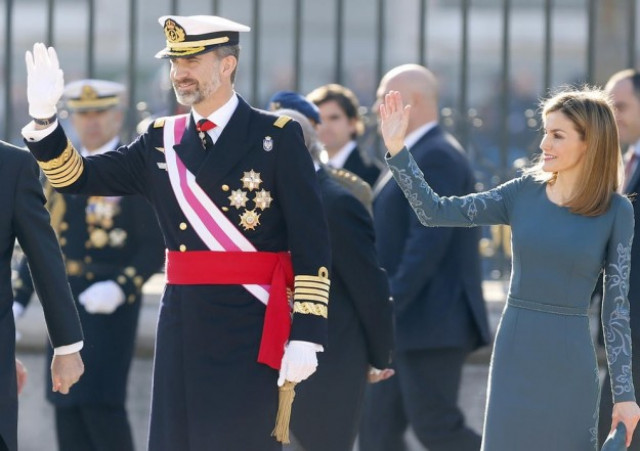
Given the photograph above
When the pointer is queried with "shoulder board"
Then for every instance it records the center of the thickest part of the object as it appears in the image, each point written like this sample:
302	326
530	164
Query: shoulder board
345	174
281	121
158	123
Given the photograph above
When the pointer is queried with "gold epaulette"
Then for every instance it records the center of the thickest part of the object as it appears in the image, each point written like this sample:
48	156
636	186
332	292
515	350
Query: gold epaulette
311	294
64	169
345	174
159	123
281	121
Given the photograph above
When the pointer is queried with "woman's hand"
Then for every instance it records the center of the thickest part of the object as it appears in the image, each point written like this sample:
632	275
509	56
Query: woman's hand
394	120
629	413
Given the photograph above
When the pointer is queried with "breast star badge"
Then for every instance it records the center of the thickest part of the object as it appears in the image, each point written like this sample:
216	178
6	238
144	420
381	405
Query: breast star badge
238	198
251	180
99	238
249	220
262	199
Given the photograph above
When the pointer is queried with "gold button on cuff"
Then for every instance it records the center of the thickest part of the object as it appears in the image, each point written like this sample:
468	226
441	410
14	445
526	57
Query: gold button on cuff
130	271
183	248
131	298
88	259
121	279
225	187
90	276
183	226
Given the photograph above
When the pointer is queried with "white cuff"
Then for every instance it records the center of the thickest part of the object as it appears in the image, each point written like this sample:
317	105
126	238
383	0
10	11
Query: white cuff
68	349
31	134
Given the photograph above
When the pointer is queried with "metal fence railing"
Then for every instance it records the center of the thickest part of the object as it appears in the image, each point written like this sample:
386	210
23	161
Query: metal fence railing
493	58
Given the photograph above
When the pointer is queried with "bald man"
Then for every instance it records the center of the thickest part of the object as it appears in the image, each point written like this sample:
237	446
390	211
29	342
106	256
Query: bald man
435	280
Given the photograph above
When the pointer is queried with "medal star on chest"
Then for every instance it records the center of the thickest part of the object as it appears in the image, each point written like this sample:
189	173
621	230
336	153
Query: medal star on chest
251	180
262	199
238	198
249	220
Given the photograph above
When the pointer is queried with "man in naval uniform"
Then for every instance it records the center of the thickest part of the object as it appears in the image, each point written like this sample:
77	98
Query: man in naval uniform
112	245
238	203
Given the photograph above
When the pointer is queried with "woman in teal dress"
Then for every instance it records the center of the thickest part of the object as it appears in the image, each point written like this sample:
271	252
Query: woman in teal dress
568	223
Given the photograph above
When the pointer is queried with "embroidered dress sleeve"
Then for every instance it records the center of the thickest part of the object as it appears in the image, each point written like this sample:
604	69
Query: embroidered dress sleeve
485	208
615	303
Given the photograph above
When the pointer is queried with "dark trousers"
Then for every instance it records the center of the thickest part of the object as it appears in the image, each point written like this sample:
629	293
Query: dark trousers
424	394
93	428
606	404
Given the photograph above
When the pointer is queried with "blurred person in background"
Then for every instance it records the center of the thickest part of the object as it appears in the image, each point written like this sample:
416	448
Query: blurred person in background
340	127
112	245
352	182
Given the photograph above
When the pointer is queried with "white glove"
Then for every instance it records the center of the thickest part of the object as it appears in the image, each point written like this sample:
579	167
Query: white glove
299	361
18	310
45	81
102	297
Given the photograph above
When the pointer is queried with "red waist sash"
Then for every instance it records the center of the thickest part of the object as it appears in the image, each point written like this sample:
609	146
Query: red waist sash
237	268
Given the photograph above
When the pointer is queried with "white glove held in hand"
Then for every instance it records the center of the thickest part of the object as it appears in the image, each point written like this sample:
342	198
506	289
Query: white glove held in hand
102	297
298	362
45	81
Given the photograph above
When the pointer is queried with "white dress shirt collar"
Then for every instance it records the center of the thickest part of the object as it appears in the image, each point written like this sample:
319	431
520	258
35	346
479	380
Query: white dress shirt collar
106	148
340	158
412	138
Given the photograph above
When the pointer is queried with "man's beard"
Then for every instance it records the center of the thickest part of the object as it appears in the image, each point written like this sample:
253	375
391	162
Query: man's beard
196	95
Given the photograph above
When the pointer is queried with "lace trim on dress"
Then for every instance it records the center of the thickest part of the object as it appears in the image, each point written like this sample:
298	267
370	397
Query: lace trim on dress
616	327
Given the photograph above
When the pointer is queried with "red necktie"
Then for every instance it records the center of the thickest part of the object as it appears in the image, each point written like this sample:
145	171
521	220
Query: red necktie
203	126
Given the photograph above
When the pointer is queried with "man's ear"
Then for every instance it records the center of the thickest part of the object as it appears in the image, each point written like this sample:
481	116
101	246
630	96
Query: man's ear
228	65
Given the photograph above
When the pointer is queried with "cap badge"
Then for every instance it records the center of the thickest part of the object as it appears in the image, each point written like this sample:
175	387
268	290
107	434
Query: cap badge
267	143
173	31
88	93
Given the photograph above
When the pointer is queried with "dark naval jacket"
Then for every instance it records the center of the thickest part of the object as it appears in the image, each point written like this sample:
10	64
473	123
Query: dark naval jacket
204	329
24	217
327	407
102	238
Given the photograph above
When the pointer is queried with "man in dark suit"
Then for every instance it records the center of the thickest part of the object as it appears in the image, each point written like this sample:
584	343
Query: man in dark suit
327	409
25	218
339	129
112	245
435	281
238	204
624	89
